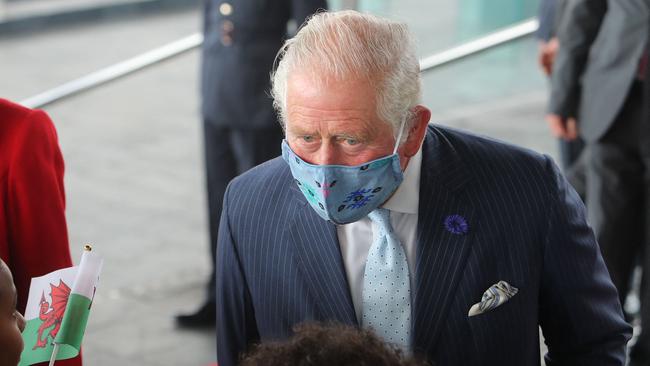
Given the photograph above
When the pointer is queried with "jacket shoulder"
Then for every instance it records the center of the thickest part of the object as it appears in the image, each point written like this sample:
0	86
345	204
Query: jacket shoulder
18	117
13	109
25	129
493	164
482	149
266	180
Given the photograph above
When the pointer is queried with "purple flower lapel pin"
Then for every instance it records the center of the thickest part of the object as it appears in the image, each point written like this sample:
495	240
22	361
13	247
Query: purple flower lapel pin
456	224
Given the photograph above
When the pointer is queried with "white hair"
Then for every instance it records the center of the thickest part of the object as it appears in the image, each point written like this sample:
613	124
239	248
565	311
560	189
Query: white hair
335	46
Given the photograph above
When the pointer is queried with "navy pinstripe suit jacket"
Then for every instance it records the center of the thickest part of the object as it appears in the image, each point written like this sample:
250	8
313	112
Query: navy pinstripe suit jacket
279	264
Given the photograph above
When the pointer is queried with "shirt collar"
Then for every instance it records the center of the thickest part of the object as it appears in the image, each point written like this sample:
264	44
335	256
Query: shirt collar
407	196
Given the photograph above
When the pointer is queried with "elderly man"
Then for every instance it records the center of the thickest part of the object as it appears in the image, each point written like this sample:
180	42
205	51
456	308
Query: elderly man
447	245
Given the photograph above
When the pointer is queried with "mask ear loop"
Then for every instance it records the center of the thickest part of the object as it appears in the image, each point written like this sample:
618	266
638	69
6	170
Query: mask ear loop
399	135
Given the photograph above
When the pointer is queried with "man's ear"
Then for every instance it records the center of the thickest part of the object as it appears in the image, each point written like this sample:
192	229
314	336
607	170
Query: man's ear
417	131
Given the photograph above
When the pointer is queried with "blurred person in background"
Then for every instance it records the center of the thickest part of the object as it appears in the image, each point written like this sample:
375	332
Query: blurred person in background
571	151
315	344
600	78
240	127
33	231
549	11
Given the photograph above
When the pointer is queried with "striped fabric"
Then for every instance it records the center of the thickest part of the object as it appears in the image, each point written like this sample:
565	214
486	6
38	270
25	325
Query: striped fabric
279	264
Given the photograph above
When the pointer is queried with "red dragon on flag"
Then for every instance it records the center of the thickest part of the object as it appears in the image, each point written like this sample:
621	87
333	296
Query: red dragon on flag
52	315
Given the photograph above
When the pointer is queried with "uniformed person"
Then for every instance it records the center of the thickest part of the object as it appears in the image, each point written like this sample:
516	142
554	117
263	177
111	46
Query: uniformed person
241	130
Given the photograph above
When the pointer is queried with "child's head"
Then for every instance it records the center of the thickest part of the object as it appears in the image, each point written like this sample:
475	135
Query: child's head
12	322
317	344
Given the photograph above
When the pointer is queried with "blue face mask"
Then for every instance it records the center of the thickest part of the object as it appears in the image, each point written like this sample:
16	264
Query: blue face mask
344	194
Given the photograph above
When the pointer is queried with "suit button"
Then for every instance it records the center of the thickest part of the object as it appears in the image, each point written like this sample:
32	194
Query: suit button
225	9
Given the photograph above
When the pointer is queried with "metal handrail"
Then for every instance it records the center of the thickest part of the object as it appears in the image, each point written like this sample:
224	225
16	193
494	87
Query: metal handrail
186	44
114	72
484	43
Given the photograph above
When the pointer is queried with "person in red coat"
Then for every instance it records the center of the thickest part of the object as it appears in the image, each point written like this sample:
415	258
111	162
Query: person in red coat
33	232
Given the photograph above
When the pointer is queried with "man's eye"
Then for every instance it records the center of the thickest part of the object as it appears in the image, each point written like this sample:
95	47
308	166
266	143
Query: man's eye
352	141
308	138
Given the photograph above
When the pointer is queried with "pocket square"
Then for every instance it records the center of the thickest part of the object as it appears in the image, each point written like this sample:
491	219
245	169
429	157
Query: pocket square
493	297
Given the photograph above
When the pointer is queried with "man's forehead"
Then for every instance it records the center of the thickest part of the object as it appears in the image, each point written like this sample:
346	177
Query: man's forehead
347	99
311	83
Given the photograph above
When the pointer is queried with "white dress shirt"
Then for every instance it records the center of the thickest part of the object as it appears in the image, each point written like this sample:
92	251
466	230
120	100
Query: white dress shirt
355	239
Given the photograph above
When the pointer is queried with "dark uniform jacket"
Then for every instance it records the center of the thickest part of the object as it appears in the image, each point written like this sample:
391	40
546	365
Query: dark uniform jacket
242	38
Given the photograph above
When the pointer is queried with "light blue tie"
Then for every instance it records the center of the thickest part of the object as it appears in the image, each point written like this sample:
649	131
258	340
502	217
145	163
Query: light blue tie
386	285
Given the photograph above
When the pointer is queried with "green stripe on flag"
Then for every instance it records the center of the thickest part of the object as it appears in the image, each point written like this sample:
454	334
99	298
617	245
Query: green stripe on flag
74	321
32	354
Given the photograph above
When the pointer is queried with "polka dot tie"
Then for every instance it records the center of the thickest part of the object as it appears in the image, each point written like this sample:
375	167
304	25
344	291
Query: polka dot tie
386	285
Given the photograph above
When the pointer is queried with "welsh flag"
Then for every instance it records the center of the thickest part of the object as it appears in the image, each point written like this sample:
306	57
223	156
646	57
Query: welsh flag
57	311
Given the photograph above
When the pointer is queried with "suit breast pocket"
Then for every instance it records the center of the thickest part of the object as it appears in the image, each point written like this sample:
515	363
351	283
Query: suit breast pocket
505	334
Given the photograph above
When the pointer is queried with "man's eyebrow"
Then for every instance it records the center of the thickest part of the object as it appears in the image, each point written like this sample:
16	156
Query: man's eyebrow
362	135
351	134
299	130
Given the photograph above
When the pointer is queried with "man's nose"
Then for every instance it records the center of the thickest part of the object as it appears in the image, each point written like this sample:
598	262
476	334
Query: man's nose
326	155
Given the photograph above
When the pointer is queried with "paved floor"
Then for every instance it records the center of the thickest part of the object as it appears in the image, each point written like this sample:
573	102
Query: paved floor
133	179
134	176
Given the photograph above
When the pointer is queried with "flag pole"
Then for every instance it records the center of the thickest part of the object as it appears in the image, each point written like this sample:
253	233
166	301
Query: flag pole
54	353
55	350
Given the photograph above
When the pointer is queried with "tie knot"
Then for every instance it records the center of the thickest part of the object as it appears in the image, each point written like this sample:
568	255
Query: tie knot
381	216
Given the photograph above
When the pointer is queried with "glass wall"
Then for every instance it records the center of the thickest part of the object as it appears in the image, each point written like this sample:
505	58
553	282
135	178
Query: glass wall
440	24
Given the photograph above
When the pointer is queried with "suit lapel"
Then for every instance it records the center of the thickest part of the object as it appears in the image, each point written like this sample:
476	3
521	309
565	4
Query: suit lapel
441	254
442	245
320	262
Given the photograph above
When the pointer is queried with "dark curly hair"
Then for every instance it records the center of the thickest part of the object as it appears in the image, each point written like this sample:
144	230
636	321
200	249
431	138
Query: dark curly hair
316	344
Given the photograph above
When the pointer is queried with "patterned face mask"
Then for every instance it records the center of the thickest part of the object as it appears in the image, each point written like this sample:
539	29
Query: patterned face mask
344	194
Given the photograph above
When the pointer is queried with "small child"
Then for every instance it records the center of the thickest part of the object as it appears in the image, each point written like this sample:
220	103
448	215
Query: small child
317	344
12	322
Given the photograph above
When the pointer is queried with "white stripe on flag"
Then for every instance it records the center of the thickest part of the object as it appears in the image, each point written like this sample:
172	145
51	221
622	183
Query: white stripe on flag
41	285
87	275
